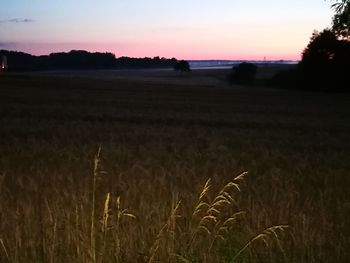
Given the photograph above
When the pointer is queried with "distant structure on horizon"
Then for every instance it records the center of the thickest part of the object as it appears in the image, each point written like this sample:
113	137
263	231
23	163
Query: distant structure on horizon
4	63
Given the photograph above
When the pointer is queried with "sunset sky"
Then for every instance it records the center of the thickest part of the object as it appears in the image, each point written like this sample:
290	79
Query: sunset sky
185	29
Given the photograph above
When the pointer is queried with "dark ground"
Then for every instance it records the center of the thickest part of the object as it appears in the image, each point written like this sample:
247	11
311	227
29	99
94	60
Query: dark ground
186	127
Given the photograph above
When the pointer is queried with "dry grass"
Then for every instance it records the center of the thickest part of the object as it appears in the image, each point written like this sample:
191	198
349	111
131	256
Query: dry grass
144	198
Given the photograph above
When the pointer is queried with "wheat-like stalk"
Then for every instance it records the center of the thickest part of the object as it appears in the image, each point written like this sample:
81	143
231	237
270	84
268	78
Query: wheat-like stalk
104	222
105	215
120	214
202	204
212	215
97	169
215	224
219	205
265	236
168	224
123	212
5	250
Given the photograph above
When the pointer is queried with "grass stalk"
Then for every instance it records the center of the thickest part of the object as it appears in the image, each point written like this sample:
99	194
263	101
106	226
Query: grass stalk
166	227
5	250
264	236
97	164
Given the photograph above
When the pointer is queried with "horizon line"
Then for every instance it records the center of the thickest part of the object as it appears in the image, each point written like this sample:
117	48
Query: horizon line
192	59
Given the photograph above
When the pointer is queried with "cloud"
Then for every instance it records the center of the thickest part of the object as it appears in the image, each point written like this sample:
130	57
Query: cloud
17	20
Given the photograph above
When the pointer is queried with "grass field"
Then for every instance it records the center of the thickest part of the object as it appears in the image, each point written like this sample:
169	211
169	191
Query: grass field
161	139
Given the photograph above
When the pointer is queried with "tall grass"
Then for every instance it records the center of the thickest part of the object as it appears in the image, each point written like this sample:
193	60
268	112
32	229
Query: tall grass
193	237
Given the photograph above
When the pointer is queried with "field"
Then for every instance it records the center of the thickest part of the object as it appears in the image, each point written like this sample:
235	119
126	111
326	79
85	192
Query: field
107	167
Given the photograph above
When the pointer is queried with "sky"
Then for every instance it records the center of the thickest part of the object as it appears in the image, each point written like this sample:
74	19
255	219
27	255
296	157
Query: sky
185	29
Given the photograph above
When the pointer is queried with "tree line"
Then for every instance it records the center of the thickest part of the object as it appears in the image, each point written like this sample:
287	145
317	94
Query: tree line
80	59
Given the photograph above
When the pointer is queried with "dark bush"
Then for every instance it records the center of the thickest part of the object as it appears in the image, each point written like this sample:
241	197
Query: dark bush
285	79
182	65
244	73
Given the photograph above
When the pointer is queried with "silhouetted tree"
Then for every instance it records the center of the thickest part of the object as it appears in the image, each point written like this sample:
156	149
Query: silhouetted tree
182	65
244	73
341	20
321	48
325	62
80	59
339	5
326	59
